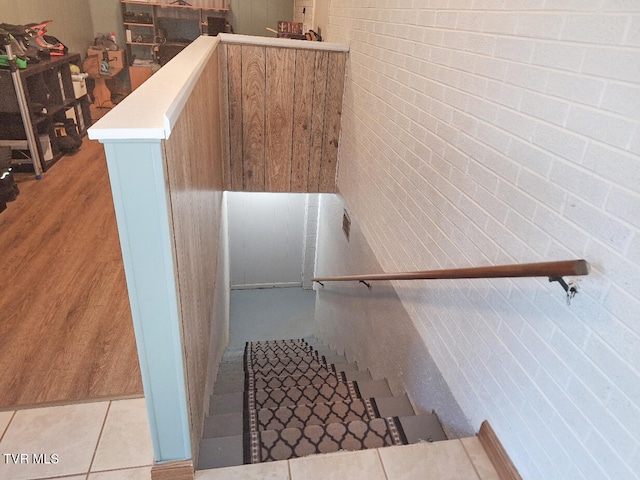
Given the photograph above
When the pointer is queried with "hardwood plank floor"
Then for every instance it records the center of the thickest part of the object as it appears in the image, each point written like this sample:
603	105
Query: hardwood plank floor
66	333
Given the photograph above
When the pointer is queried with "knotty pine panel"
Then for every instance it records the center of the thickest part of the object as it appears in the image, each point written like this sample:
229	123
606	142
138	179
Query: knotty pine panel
253	117
225	116
233	90
284	108
332	114
302	119
317	121
281	67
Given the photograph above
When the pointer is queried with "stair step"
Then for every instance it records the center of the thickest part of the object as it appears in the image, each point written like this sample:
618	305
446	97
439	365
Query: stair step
228	387
299	416
226	403
422	428
223	425
287	353
221	452
302	369
270	363
236	383
274	348
396	406
327	392
286	397
273	445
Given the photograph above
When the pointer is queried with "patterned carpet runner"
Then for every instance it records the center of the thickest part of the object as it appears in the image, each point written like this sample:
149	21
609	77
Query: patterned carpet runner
297	404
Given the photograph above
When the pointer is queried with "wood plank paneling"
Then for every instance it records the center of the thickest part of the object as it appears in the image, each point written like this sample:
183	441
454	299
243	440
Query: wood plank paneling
225	116
193	163
317	121
234	89
253	115
280	67
303	103
333	114
285	108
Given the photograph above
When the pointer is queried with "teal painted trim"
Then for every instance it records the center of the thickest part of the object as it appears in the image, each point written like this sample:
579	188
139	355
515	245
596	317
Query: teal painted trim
136	171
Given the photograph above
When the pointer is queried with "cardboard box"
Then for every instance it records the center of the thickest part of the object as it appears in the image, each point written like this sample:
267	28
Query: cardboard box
138	75
116	59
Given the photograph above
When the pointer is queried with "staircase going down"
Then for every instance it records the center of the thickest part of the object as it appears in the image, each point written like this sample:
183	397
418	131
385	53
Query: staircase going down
284	399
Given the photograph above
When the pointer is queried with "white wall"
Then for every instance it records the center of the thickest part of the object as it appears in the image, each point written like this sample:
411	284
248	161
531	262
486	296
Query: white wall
266	239
310	239
478	133
71	19
252	17
303	12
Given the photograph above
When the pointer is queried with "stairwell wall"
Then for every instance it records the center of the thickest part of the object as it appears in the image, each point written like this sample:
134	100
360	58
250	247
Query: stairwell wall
372	327
479	133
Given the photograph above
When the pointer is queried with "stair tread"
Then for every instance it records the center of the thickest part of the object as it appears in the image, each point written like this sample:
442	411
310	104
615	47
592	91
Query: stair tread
221	452
301	369
283	397
273	445
421	428
299	416
265	363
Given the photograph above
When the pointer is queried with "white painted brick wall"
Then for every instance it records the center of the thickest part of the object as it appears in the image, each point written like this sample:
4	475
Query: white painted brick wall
488	132
306	18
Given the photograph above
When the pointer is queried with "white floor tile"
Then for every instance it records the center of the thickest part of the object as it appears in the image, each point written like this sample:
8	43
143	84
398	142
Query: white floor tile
445	460
139	473
126	440
479	459
260	471
5	418
70	432
362	465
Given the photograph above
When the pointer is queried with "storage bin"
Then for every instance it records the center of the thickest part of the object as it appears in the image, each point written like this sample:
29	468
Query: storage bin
47	152
79	86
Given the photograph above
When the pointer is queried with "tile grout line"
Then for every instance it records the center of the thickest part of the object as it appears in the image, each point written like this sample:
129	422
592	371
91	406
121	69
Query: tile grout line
6	429
95	451
289	469
384	470
470	460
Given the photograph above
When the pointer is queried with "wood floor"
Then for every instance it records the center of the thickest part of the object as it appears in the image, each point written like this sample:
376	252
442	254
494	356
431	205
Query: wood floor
66	333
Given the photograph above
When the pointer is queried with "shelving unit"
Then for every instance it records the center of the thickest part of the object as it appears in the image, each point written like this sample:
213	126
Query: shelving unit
150	24
50	98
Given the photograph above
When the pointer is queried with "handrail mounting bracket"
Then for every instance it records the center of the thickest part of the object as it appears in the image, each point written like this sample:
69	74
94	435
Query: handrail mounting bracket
366	283
571	288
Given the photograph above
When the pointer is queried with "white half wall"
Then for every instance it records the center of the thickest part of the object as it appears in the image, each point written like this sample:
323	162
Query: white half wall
493	132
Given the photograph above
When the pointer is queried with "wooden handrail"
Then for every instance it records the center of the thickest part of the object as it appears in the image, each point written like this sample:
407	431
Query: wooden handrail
553	270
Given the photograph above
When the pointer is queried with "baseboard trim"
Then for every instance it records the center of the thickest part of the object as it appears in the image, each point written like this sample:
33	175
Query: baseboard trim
176	470
497	454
